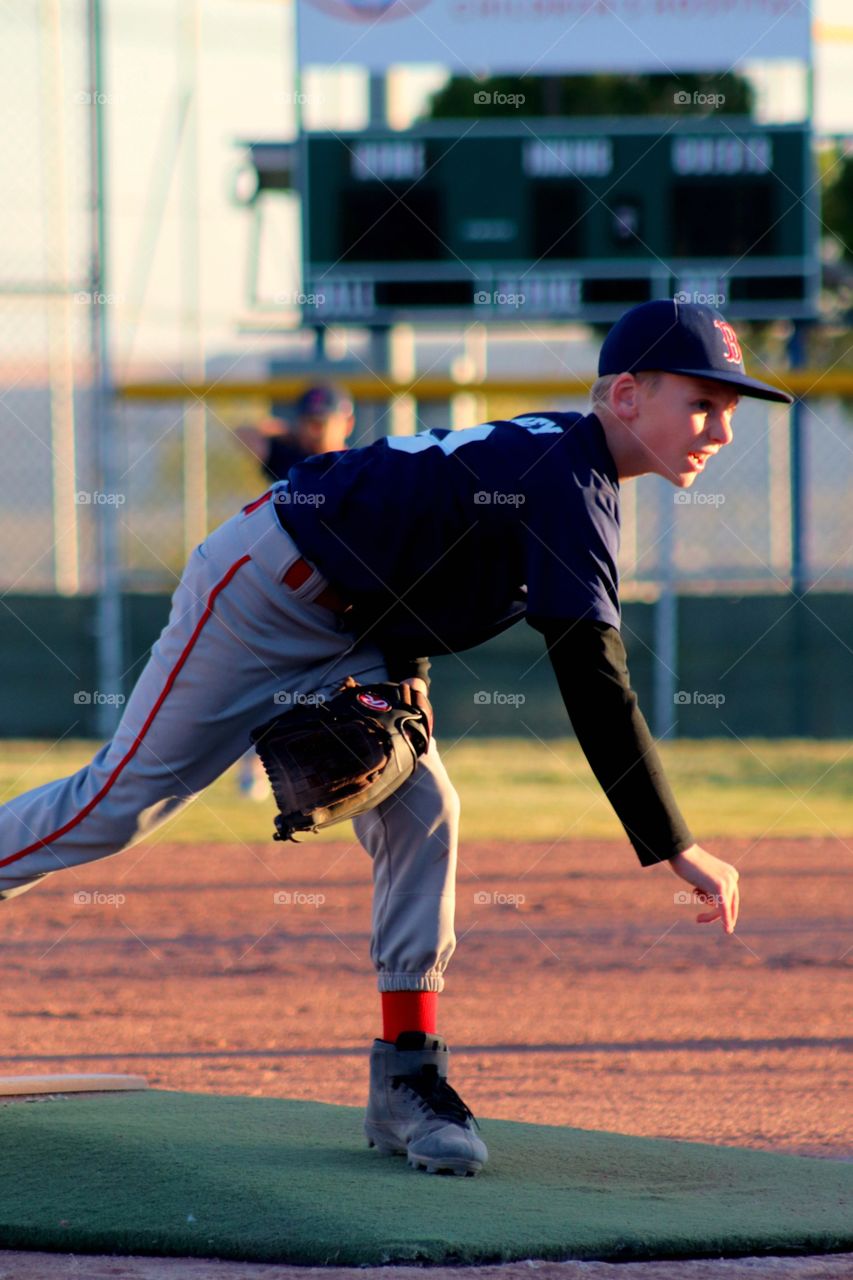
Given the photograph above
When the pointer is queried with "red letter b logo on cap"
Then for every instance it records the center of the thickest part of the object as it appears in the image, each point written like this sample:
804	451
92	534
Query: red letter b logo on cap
732	346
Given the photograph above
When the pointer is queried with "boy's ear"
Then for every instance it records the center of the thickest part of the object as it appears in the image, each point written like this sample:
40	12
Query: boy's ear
624	396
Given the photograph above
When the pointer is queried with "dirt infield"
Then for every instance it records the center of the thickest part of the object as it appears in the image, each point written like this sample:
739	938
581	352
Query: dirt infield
595	1001
582	993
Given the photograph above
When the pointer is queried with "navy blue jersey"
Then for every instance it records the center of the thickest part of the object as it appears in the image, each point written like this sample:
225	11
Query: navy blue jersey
435	537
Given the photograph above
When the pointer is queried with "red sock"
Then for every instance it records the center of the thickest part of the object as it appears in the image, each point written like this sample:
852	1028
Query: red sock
408	1011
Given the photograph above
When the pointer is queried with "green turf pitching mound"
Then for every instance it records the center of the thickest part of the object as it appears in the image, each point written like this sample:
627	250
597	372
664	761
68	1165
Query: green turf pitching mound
267	1179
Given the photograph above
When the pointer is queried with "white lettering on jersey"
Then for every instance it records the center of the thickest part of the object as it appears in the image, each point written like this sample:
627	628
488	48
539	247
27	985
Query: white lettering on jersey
412	444
467	435
448	444
537	425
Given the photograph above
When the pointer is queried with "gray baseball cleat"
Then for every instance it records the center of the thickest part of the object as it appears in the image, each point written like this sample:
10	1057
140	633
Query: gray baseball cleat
413	1111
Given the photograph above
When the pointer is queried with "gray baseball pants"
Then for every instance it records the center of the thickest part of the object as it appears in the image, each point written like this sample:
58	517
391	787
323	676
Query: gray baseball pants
235	638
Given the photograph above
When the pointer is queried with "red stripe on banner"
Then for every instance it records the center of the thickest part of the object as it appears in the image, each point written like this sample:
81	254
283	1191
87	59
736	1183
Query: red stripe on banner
137	742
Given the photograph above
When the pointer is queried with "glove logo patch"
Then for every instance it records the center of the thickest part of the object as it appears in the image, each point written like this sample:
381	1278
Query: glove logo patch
374	703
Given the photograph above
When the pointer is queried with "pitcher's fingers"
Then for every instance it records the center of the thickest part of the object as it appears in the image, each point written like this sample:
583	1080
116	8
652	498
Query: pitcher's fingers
708	917
735	906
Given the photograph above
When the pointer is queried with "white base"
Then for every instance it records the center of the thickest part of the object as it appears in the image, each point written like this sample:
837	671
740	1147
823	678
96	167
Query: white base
11	1086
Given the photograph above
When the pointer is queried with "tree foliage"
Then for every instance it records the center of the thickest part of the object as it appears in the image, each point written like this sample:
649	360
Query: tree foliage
837	204
593	95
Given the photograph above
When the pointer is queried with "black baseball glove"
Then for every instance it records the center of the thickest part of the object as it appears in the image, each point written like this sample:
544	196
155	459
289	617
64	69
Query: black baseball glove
333	759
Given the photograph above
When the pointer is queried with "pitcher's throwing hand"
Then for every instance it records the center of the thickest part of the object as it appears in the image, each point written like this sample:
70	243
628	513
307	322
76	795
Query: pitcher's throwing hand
715	881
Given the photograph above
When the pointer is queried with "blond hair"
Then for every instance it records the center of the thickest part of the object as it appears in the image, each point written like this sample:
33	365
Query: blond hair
600	389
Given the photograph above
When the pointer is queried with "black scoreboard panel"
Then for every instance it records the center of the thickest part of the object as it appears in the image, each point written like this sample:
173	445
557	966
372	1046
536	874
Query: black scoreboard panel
568	219
378	224
710	219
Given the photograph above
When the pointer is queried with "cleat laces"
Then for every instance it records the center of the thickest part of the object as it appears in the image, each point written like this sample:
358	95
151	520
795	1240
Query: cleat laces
436	1095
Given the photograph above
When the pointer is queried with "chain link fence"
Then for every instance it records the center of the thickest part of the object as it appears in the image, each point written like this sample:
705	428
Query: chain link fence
46	539
731	531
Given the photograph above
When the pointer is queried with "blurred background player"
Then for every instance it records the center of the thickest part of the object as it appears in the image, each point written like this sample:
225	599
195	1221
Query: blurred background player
321	422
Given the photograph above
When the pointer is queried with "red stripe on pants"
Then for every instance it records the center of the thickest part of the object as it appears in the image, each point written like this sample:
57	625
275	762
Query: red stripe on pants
137	742
259	502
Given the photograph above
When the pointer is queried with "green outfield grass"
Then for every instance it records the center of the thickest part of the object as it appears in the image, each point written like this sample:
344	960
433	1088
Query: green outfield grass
517	789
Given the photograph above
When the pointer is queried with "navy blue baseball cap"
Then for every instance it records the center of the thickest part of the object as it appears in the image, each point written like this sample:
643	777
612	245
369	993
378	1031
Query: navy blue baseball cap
689	338
321	401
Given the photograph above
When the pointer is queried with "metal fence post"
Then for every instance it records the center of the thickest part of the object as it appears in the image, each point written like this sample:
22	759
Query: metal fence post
108	617
665	716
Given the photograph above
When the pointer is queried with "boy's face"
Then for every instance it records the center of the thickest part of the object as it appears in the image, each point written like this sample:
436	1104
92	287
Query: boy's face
681	423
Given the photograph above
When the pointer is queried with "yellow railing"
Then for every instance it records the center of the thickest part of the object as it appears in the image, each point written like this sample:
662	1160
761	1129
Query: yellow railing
365	386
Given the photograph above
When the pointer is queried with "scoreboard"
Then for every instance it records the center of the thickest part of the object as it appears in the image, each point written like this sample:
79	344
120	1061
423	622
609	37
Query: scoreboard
558	218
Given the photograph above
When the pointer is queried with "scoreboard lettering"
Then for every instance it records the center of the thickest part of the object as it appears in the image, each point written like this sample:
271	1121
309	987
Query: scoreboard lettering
723	155
387	161
585	157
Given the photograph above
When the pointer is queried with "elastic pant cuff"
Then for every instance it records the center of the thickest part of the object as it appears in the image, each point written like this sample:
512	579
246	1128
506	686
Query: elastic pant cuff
410	982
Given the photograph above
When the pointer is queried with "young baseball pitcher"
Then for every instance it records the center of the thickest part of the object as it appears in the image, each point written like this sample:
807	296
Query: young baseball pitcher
356	565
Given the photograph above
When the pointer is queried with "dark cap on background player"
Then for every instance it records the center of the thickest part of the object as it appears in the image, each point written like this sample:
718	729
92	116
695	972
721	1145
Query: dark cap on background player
686	338
323	401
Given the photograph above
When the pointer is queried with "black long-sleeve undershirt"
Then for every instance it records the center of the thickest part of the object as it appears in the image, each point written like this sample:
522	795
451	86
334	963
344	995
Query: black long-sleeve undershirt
590	664
401	667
